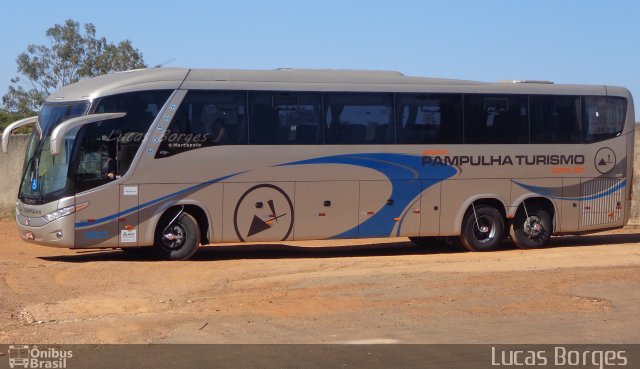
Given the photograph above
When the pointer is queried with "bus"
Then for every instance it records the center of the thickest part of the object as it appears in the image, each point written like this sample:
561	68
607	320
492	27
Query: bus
174	158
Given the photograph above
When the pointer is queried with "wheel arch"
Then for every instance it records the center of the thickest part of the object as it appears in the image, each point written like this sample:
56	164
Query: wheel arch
480	199
533	200
193	208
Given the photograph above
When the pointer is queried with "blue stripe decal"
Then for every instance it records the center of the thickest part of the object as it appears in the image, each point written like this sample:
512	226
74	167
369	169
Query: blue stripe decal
408	175
546	191
404	172
152	202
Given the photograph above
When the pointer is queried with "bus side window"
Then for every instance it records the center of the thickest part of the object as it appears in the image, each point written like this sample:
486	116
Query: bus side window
603	117
285	118
106	149
206	118
359	118
491	119
429	118
555	119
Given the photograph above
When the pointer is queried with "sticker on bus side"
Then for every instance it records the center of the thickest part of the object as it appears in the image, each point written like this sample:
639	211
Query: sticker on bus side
130	190
128	236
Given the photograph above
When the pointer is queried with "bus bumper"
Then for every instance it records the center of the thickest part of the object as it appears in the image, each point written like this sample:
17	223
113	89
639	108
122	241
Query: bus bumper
57	233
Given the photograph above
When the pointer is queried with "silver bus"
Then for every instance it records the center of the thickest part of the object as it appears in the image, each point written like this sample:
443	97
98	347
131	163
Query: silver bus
176	158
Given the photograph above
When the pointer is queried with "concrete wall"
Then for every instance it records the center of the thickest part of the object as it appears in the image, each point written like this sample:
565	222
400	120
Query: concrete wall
11	169
10	172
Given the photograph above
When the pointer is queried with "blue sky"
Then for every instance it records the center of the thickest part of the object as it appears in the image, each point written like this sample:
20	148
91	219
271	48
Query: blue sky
566	41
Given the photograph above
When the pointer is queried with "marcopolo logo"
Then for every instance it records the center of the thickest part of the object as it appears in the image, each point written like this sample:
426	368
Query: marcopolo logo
24	356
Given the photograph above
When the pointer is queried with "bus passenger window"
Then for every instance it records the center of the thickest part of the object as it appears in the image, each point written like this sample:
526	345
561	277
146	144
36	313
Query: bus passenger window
280	118
555	119
429	118
204	119
491	119
604	117
359	118
213	122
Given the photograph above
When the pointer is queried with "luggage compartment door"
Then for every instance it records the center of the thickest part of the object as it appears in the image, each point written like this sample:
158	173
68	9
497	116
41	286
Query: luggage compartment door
326	210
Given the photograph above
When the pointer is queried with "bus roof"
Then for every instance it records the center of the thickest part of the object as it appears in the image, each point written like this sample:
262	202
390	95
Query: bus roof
299	80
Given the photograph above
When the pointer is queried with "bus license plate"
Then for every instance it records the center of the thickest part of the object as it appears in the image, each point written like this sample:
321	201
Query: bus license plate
29	235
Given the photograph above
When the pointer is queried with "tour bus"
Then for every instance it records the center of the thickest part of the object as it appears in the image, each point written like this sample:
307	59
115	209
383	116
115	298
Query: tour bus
174	158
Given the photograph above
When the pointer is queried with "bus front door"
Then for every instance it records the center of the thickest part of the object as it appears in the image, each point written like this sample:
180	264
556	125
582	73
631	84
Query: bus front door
95	225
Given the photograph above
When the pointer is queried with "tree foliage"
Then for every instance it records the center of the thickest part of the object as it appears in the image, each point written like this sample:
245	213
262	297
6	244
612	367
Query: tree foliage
7	118
71	56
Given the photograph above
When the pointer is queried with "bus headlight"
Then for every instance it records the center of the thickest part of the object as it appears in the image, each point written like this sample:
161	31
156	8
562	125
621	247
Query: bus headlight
64	212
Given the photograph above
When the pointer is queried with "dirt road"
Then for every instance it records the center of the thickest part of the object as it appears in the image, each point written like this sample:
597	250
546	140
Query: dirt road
580	290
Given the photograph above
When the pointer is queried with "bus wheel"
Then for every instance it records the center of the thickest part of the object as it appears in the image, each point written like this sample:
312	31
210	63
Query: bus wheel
482	229
179	240
532	231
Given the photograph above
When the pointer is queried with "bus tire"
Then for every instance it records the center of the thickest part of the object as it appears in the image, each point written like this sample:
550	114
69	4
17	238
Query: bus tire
532	232
486	235
187	238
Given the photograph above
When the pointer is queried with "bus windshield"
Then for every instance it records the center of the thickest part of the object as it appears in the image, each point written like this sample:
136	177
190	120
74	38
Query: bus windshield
45	175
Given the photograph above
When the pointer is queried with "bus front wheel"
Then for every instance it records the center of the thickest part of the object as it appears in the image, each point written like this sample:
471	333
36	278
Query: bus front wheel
482	229
178	240
531	229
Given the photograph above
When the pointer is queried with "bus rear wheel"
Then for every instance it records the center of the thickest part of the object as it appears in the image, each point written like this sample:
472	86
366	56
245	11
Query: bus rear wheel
531	229
482	229
178	240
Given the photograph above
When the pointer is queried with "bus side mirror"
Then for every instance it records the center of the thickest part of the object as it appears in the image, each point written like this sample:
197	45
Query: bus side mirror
57	137
15	125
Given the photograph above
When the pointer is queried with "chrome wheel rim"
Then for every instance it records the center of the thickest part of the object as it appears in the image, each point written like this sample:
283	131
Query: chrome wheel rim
484	230
174	237
533	226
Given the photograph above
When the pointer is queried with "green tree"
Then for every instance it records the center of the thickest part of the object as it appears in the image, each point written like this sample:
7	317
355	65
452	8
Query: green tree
7	118
71	56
